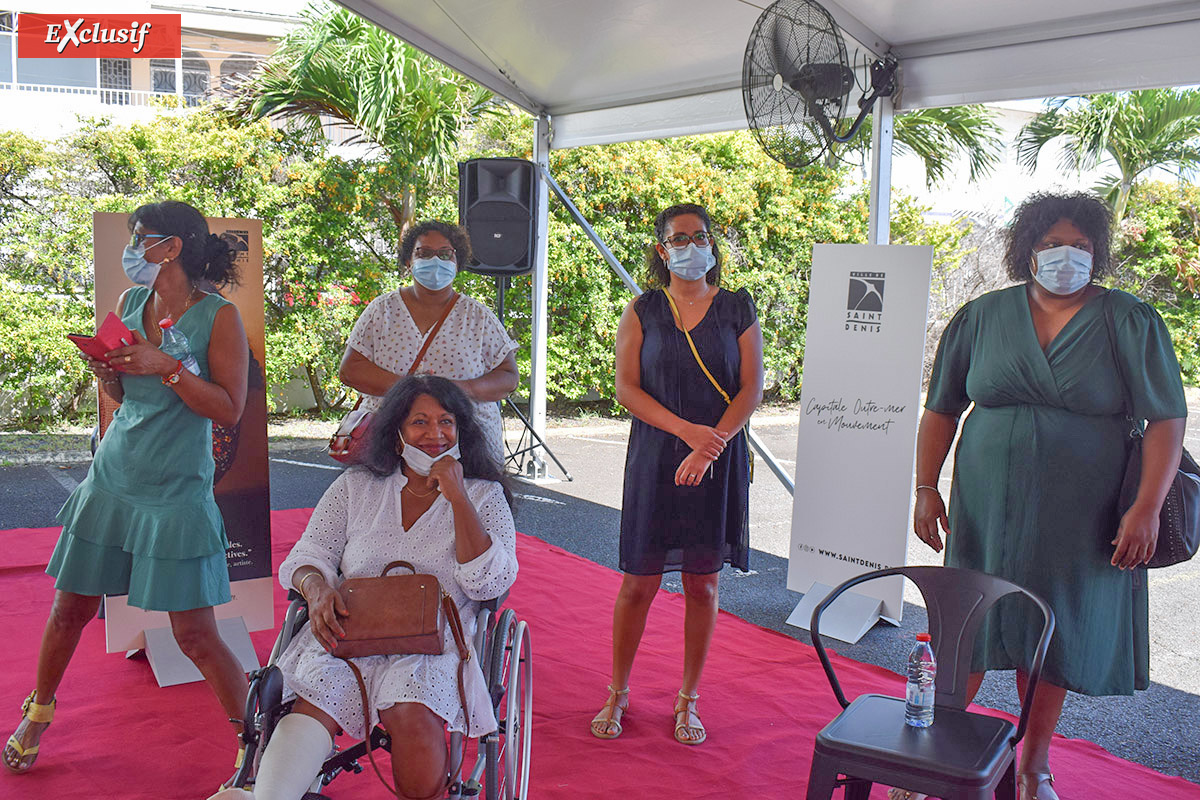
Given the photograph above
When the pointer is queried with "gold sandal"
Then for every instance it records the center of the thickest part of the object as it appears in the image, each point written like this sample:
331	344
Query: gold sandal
1029	785
687	720
26	756
896	793
611	714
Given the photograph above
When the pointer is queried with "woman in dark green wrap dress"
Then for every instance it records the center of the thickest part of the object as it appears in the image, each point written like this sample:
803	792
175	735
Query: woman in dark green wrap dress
1039	464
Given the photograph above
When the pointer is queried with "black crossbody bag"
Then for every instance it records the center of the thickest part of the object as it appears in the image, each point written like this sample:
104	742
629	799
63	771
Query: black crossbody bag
1179	519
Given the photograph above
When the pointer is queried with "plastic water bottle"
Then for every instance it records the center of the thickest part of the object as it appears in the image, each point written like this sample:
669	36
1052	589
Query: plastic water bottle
175	344
922	669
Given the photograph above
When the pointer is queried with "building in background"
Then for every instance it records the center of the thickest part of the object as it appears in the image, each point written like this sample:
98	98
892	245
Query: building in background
44	97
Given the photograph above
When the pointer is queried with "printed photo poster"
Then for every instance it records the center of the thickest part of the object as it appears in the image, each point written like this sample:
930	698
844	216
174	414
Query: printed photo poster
863	353
241	483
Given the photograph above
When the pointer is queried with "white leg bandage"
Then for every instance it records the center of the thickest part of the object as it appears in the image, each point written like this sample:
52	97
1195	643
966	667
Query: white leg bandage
294	755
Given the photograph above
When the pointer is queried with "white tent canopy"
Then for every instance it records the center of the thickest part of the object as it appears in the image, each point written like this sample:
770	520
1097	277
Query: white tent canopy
619	70
602	71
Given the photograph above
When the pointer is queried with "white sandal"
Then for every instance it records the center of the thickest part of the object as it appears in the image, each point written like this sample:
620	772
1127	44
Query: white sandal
686	720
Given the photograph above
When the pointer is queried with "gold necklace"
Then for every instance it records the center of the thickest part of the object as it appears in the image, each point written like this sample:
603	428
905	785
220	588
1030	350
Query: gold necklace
415	493
187	303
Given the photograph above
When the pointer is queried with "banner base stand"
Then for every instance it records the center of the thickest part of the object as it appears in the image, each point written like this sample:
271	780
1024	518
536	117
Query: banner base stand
850	616
171	667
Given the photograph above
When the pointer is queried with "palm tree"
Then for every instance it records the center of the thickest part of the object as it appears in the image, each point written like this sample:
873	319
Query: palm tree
338	66
939	135
1137	131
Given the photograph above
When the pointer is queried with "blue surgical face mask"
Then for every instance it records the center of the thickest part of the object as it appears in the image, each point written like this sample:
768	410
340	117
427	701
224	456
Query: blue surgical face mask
433	273
1063	270
691	263
137	268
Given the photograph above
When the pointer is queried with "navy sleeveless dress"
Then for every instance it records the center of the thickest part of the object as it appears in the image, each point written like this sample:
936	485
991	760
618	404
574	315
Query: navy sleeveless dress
696	529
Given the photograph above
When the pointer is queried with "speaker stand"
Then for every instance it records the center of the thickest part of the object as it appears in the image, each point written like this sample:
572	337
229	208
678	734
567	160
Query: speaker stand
532	468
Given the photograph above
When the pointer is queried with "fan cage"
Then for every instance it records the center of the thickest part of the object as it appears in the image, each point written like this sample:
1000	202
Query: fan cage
794	62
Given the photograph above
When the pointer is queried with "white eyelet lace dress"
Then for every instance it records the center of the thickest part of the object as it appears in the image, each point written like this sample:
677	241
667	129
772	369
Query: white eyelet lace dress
357	527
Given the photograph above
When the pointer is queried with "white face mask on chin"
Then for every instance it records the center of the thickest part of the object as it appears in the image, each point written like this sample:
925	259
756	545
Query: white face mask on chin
421	462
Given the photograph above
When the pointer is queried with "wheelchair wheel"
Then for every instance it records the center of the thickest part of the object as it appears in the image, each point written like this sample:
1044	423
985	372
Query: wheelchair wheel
510	679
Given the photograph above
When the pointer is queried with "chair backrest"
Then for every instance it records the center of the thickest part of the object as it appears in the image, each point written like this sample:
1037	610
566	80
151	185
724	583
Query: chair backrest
957	601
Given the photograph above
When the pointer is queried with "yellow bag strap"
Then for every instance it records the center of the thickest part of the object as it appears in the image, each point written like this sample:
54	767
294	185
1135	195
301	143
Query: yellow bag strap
711	379
696	353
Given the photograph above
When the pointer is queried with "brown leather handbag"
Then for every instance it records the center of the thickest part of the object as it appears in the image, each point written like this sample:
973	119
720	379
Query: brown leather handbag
398	615
391	614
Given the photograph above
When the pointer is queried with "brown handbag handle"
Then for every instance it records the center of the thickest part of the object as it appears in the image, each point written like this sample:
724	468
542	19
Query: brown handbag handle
464	655
437	326
395	564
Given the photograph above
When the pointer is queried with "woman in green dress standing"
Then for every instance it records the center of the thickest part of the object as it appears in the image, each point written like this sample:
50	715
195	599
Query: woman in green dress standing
144	521
1041	457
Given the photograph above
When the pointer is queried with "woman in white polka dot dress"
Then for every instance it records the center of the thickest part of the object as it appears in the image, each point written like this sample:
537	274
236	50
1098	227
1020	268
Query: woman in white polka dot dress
471	348
427	494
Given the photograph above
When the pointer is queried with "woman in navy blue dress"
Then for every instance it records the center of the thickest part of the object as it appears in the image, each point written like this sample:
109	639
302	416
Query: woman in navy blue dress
685	506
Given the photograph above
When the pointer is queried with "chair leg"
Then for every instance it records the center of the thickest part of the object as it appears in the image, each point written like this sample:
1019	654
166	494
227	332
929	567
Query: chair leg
858	789
822	779
1006	789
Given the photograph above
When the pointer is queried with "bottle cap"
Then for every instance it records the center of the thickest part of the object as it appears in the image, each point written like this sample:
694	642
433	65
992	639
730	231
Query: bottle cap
165	323
923	637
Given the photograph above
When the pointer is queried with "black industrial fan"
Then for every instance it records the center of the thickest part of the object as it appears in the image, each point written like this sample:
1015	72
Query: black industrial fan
796	82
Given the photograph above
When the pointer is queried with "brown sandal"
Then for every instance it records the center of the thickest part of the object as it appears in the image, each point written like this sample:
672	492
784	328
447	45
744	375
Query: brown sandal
1029	786
611	714
686	720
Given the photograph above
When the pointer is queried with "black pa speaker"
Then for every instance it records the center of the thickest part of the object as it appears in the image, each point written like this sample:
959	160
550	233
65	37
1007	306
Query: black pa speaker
496	202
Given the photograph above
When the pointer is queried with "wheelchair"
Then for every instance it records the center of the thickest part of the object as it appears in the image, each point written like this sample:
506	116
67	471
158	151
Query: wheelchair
501	759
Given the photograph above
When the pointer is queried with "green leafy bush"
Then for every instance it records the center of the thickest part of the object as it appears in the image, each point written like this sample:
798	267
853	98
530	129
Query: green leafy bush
42	378
1157	252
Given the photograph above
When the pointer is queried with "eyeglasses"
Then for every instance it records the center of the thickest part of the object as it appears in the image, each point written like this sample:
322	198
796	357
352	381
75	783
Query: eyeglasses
139	238
446	253
1082	244
701	238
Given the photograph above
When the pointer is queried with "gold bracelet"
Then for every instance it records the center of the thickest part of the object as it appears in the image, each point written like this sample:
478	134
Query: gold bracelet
300	588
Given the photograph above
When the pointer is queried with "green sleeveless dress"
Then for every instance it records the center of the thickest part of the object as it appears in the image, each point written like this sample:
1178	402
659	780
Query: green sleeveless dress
144	522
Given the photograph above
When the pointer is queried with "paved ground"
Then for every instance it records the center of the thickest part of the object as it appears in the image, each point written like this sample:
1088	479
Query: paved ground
1159	727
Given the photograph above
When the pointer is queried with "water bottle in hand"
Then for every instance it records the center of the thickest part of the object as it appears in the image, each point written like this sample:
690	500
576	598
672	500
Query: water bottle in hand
175	344
922	669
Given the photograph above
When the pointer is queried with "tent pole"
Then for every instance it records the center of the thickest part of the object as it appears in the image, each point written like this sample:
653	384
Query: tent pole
879	231
535	465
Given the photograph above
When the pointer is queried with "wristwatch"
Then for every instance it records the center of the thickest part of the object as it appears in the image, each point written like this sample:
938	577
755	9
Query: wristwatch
173	378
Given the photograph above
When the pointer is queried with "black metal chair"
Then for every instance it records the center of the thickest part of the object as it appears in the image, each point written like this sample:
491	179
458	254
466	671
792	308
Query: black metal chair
962	755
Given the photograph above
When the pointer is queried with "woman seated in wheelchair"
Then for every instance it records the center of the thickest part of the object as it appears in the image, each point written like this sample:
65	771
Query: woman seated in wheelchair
430	493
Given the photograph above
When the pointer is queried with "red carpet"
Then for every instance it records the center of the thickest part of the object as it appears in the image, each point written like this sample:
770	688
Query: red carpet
117	735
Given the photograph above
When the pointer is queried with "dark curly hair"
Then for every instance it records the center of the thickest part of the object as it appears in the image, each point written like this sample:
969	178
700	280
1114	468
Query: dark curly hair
475	455
1038	214
658	275
205	256
457	236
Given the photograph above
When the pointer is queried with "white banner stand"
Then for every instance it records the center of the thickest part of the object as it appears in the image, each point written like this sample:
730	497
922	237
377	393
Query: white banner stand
864	345
850	616
172	667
